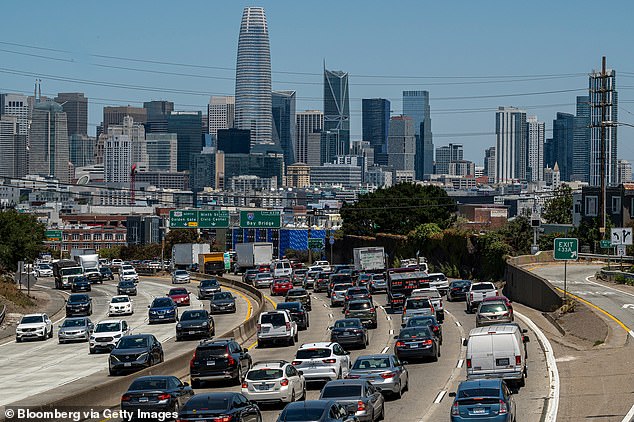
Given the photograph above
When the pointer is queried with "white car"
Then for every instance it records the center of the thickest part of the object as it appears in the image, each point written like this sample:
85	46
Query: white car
129	275
120	305
325	266
275	381
44	270
116	262
439	281
34	326
107	333
322	361
180	276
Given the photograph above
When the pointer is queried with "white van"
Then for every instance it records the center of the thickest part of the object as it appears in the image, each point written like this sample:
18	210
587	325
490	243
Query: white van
282	269
497	351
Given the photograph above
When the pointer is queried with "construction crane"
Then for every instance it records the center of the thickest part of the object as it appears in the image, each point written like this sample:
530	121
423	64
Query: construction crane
132	183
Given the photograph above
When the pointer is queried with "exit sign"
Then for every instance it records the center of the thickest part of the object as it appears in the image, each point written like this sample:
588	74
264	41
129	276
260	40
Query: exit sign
566	249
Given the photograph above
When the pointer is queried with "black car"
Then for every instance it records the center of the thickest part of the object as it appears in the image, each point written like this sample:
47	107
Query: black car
427	321
217	360
349	331
80	284
195	323
222	302
126	287
219	407
207	288
106	273
298	313
135	352
156	393
316	411
249	276
79	304
458	290
416	343
299	294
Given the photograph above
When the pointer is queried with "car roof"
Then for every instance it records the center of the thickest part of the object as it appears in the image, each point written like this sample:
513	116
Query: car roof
359	381
38	314
154	377
298	289
120	296
310	404
269	364
496	298
494	329
376	356
110	321
322	344
360	301
348	319
189	311
139	335
215	342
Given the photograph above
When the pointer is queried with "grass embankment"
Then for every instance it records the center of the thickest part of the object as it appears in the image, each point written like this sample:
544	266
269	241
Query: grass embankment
10	294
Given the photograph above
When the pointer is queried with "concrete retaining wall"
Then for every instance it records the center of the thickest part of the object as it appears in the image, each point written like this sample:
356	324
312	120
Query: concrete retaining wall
528	288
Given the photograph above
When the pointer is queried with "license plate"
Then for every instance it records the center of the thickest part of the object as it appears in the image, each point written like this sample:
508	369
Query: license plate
345	334
161	316
191	332
264	387
143	399
128	364
211	363
502	362
413	346
479	411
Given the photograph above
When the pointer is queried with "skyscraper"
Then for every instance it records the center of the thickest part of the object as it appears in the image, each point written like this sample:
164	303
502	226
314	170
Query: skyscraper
625	171
162	151
511	147
562	148
283	111
336	133
375	126
447	154
581	141
49	152
81	150
253	77
136	136
489	163
115	115
17	105
416	106
8	134
401	144
309	125
188	127
117	158
157	114
221	113
75	105
603	91
535	134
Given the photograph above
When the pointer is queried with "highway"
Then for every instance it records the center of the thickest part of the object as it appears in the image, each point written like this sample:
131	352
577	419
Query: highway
39	371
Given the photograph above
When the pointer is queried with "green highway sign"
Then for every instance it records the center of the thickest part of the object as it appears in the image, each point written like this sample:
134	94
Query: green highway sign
183	219
213	219
605	244
315	243
53	235
566	249
260	219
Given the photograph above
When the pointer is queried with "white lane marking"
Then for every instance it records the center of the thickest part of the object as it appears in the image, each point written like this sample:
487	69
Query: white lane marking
458	324
391	332
389	318
553	373
631	333
462	339
385	349
381	306
628	306
325	306
440	396
460	362
630	415
330	316
607	287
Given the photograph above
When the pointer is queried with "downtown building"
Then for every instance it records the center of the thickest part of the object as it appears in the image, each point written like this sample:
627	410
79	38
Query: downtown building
535	134
221	112
75	105
416	106
17	106
447	154
511	146
114	115
284	121
375	114
309	126
157	114
489	164
581	141
602	90
335	137
188	127
48	138
401	148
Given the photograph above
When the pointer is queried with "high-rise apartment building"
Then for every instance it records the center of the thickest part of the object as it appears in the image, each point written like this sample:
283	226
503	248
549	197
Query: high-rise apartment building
625	171
187	125
75	105
447	154
489	163
162	151
117	158
309	123
82	150
511	146
336	133
375	124
136	136
581	141
284	121
48	137
114	116
253	77
603	92
8	135
157	114
401	145
563	144
416	106
536	135
221	113
16	105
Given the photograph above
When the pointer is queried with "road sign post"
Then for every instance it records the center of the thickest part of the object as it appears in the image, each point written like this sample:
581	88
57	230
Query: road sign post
566	249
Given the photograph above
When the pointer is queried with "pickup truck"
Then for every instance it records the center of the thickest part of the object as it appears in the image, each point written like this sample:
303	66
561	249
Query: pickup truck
435	297
477	293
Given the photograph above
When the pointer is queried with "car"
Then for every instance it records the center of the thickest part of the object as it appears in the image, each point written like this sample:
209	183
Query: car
249	276
457	290
417	343
322	281
219	360
478	292
134	352
219	407
338	294
106	335
299	294
384	371
427	321
354	293
349	331
363	309
493	312
433	294
179	295
180	276
439	281
281	286
222	302
93	275
325	265
44	270
299	314
120	305
130	275
316	411
299	276
282	268
263	279
162	309
106	273
126	287
339	279
358	395
363	280
78	304
276	326
34	326
116	262
483	400
322	361
73	329
274	381
155	393
208	287
506	300
415	306
195	323
80	284
378	283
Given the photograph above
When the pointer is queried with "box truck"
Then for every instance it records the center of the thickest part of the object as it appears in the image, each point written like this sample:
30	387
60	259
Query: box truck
369	259
185	255
212	263
252	254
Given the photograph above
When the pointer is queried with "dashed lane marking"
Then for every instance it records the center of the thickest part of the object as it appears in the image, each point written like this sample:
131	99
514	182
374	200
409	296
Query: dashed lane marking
385	349
458	324
440	396
460	363
325	306
391	332
389	318
330	316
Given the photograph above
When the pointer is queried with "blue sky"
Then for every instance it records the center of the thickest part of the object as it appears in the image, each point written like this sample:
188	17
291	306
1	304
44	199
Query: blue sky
472	56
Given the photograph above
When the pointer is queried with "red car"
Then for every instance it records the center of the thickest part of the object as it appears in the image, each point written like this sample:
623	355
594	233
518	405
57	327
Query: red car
179	295
504	299
280	286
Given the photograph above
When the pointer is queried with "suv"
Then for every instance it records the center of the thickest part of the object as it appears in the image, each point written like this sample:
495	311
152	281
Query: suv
434	295
439	281
322	361
322	281
93	275
107	333
415	306
207	288
364	310
34	326
273	382
493	312
276	325
79	304
338	295
299	295
249	276
298	313
216	360
478	292
282	269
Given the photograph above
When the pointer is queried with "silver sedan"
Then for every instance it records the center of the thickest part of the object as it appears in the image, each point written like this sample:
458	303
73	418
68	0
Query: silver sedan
384	371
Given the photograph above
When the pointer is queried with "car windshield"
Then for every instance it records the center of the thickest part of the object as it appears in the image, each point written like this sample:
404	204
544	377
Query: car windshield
74	323
348	323
32	319
162	302
357	291
149	384
420	322
437	277
180	272
417	303
222	296
478	392
80	279
180	291
45	267
281	281
301	272
336	391
460	283
71	271
120	299
493	307
359	306
483	286
107	327
371	363
78	298
300	414
126	284
264	374
129	272
209	283
312	353
341	287
263	275
216	350
207	402
193	315
132	343
288	305
296	292
418	332
275	319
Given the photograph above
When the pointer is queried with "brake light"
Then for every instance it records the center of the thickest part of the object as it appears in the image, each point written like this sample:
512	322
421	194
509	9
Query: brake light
296	362
386	375
435	328
471	296
259	327
164	397
347	297
230	359
455	411
372	310
288	325
191	362
245	385
223	419
329	360
427	342
347	313
125	397
360	406
503	409
468	363
518	360
284	382
353	377
400	344
440	303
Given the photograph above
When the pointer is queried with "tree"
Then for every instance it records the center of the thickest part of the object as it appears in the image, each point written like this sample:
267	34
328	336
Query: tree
176	236
558	209
21	238
518	234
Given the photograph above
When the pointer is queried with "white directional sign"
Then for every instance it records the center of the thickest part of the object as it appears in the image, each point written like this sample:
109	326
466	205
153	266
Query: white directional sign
620	250
621	236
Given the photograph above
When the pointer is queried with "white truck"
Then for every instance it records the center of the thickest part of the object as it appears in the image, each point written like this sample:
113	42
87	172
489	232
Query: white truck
90	266
185	255
369	259
252	254
478	292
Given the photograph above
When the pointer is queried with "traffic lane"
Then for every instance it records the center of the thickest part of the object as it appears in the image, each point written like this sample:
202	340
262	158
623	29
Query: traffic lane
76	369
530	400
580	281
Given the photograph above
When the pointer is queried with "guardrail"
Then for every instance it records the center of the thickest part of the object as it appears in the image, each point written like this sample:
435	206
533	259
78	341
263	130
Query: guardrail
612	258
3	313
